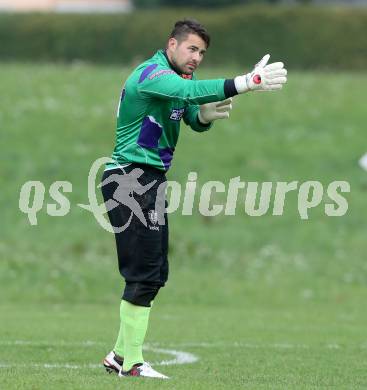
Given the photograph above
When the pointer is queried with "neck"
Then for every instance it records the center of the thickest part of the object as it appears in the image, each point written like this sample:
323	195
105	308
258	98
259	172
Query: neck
171	63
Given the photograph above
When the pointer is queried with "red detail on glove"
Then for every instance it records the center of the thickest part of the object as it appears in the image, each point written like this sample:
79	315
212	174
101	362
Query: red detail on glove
256	79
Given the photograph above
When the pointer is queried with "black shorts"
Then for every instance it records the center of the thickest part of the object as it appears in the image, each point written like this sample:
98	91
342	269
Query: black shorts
141	248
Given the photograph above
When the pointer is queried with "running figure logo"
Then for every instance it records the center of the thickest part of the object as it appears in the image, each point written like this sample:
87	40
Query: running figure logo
127	185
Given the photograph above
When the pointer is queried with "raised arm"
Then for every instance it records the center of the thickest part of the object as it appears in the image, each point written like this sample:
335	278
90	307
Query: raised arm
166	84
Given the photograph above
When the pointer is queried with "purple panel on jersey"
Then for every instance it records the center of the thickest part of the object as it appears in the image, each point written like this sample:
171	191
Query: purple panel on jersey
150	133
166	156
146	72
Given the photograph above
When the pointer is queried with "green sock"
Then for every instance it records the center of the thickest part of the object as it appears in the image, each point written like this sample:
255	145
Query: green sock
119	346
134	321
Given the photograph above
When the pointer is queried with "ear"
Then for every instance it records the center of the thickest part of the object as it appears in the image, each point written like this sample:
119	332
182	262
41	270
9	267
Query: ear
172	44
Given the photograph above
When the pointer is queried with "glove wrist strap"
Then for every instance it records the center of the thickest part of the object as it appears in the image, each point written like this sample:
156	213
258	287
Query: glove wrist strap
241	84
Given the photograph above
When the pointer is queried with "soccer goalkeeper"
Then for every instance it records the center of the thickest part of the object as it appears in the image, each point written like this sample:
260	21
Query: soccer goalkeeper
156	96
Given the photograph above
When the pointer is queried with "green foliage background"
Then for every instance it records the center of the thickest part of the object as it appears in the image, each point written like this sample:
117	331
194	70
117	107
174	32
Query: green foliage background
303	37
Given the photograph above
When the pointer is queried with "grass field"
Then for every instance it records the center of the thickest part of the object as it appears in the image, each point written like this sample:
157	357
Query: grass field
261	303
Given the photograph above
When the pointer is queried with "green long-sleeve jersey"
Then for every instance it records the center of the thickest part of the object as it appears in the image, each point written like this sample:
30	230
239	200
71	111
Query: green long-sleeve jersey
153	101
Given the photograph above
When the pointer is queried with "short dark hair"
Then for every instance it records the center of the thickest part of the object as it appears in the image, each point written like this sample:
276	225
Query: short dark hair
185	27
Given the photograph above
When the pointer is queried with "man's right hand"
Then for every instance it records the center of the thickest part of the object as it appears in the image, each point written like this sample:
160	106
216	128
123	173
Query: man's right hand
263	77
210	112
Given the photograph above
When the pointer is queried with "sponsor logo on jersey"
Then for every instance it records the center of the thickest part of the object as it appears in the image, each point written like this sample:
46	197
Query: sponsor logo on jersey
161	73
176	114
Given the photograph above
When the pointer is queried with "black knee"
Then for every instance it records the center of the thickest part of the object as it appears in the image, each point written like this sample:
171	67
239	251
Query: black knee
140	294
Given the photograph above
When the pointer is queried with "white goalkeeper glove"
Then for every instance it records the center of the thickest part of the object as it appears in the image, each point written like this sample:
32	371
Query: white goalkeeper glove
217	110
263	77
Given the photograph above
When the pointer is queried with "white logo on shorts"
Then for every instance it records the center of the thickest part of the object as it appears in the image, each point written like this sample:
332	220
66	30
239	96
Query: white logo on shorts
153	218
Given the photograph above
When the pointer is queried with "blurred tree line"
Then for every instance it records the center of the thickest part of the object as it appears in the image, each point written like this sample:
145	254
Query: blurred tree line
207	3
286	32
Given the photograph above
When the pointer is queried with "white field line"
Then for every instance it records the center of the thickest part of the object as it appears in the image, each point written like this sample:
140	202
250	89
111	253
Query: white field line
44	343
239	344
178	357
50	366
247	345
162	347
